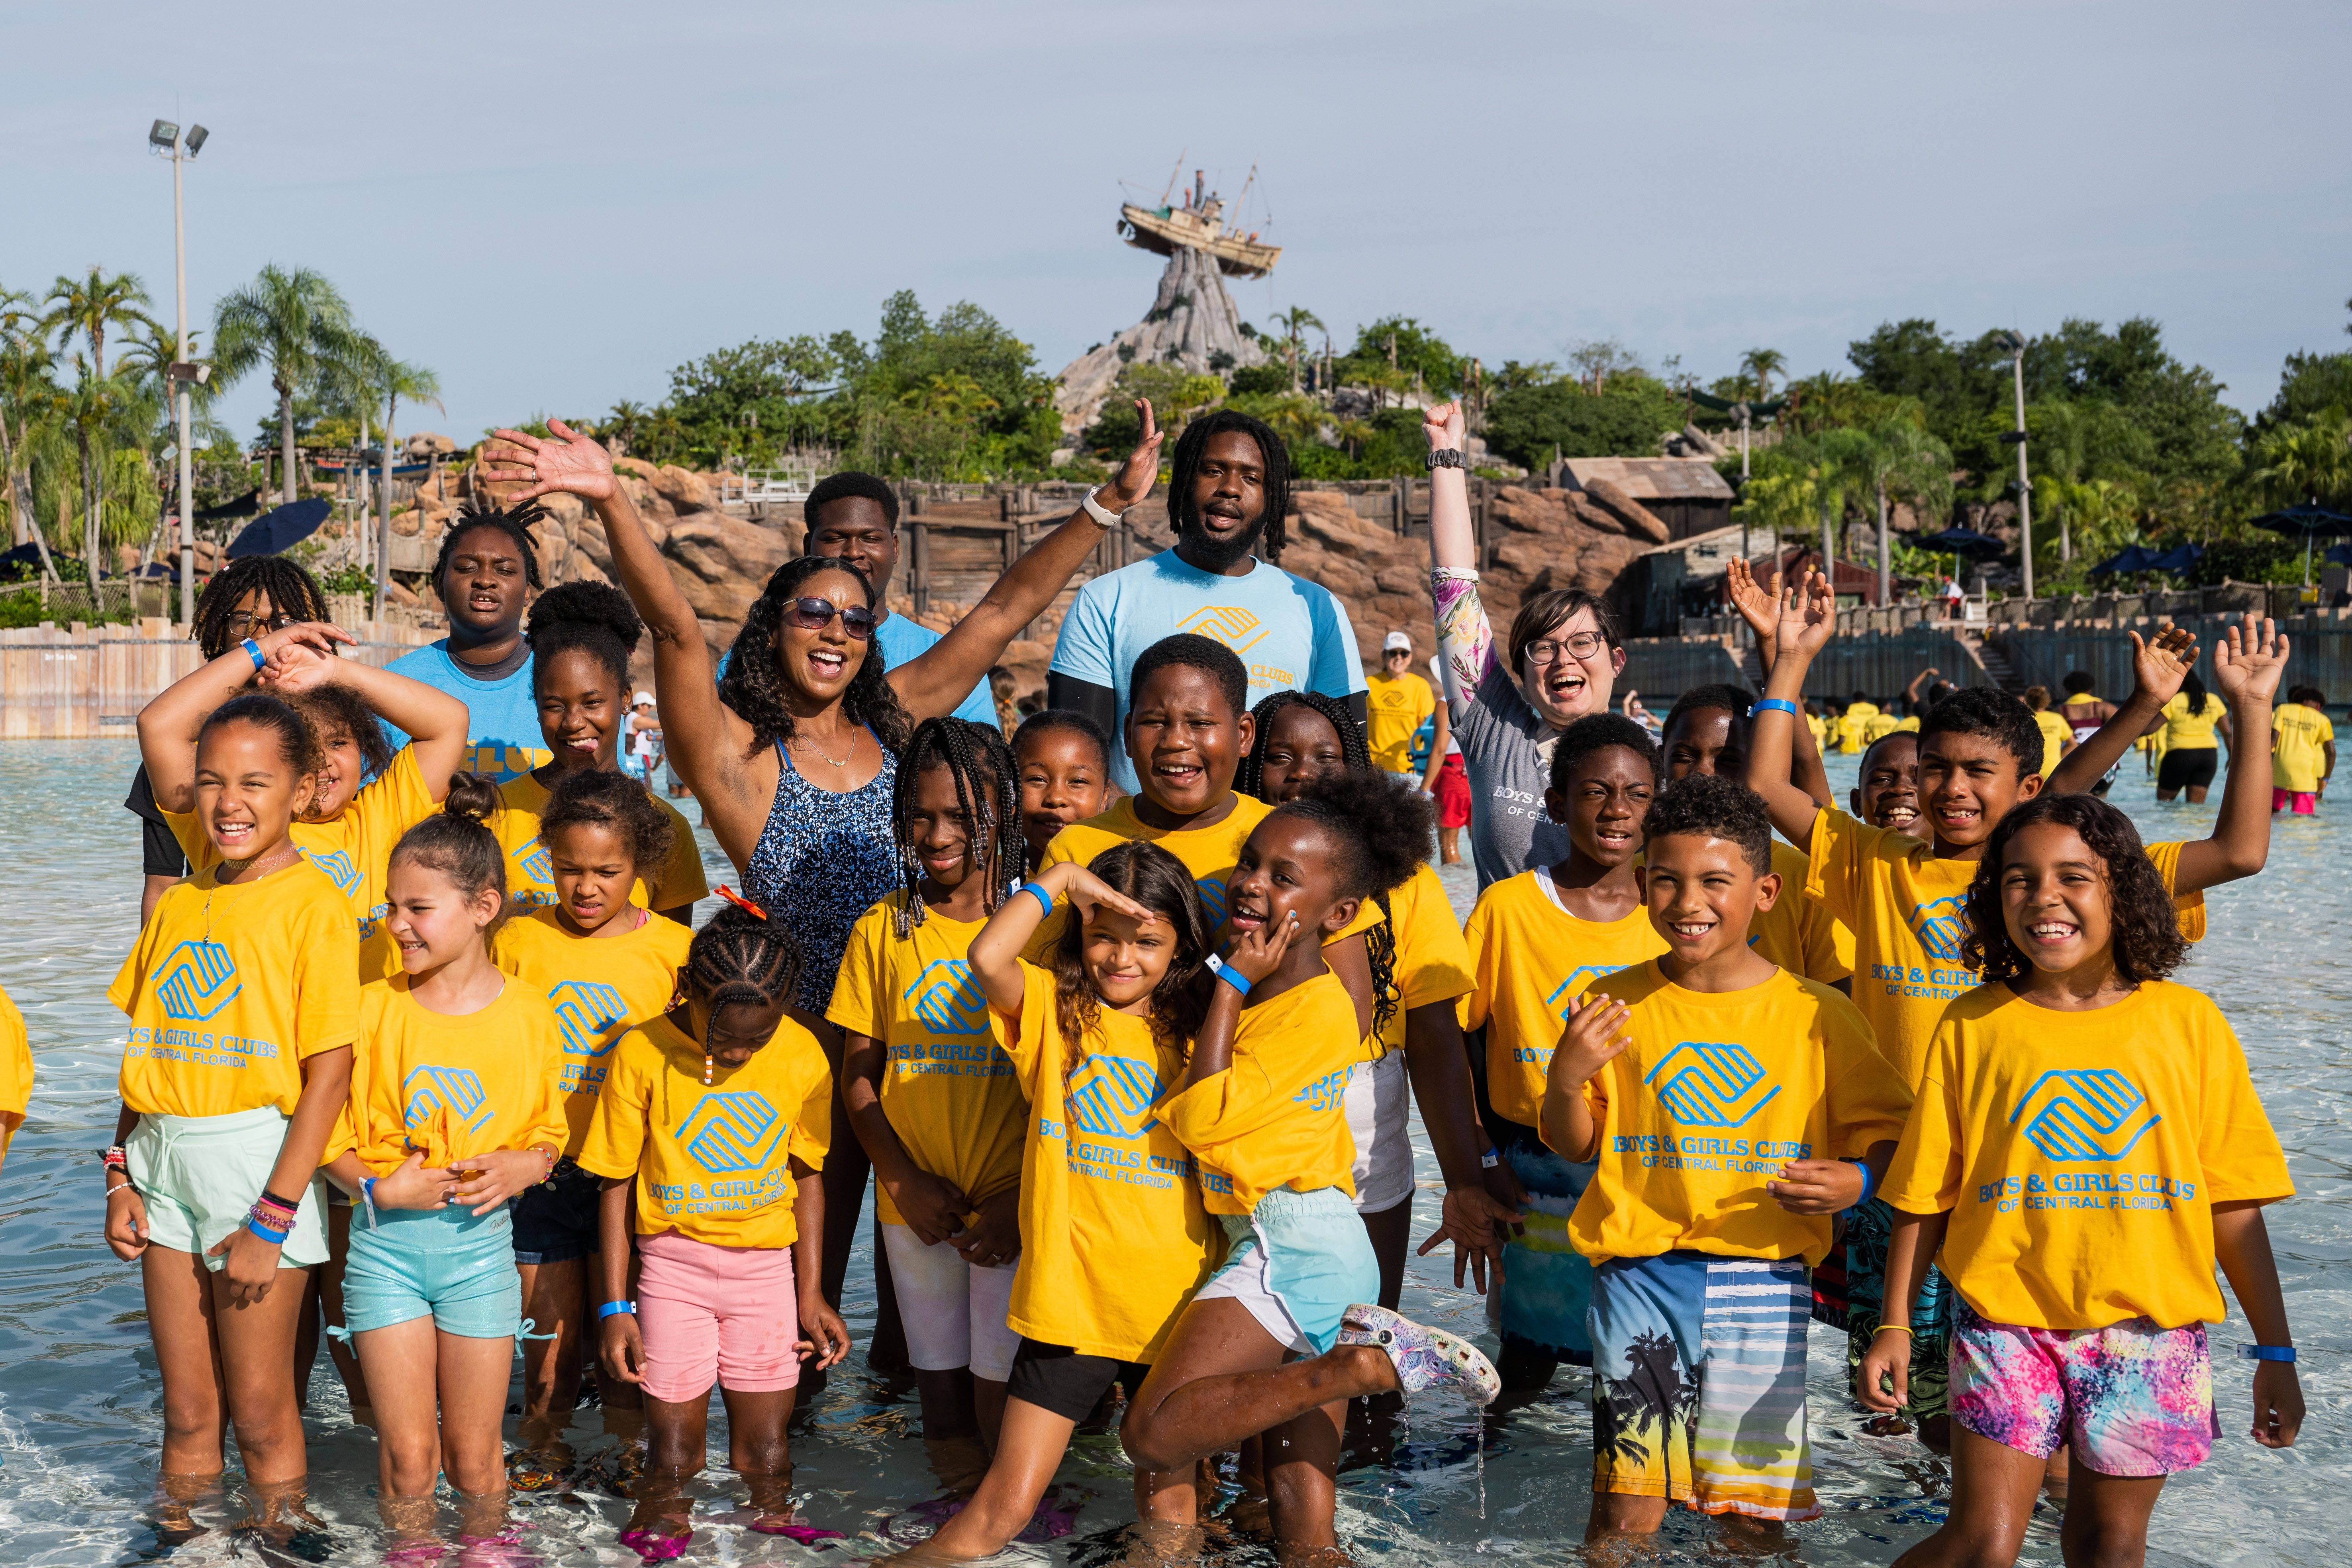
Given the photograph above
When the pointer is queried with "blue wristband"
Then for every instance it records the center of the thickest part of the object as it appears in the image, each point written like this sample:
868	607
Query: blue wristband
1045	898
253	652
1225	972
275	1237
611	1308
1774	705
2267	1352
1869	1183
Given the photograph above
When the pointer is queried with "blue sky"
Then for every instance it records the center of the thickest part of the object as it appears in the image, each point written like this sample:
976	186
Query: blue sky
552	206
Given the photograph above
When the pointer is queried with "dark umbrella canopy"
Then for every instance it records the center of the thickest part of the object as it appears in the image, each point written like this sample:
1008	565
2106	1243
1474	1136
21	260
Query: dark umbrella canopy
273	533
1964	541
2305	521
2180	558
2131	558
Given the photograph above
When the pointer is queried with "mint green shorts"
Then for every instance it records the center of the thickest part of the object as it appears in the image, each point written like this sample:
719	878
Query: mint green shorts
198	1176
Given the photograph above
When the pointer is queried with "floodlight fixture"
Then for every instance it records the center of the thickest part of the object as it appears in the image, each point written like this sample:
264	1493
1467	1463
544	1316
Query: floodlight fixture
195	142
163	134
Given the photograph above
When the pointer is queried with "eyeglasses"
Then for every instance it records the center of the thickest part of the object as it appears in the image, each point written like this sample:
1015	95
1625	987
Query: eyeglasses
815	614
1576	645
244	623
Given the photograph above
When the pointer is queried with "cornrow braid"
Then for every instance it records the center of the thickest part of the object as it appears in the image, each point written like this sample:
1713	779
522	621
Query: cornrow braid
1250	777
292	592
516	525
739	957
987	793
753	687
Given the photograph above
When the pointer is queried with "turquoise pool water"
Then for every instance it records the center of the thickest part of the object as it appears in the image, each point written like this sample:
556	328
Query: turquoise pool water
80	1422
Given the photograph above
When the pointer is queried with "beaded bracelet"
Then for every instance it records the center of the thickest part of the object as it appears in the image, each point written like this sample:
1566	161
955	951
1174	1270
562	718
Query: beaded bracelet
116	1158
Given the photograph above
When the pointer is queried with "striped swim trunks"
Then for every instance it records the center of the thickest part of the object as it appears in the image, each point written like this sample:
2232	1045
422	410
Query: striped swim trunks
1699	1383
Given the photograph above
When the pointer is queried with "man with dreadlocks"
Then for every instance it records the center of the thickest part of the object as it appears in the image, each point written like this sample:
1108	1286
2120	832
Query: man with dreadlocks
1228	491
486	574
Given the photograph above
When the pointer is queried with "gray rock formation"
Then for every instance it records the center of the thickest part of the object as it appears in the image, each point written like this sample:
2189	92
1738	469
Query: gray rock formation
1192	325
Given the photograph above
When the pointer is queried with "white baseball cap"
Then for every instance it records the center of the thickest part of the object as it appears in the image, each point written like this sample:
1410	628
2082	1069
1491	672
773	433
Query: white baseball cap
1396	640
642	700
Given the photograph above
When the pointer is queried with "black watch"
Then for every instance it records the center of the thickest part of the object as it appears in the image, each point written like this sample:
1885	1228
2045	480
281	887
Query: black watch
1447	457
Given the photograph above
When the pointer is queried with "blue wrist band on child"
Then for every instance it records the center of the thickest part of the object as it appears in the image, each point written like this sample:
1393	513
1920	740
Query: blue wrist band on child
1226	974
253	652
275	1237
611	1308
1774	705
1869	1183
1045	898
2267	1352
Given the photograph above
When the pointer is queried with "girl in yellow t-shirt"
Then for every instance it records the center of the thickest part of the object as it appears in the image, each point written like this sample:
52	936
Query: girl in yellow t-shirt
717	1115
2086	1145
931	1095
606	964
243	995
1263	1112
2196	726
1303	739
581	635
1116	1240
452	1112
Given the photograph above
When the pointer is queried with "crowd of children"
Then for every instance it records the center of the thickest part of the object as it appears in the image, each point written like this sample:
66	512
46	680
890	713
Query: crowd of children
1134	1077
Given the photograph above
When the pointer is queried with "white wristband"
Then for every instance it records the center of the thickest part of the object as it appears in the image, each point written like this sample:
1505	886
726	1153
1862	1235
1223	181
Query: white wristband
1099	512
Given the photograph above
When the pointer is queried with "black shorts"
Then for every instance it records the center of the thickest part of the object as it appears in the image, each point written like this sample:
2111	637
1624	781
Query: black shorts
557	1220
1057	1378
2187	770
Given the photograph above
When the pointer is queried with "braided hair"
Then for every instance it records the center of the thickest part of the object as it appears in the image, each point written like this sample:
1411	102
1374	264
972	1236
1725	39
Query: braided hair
1250	777
516	525
292	592
1185	467
753	686
742	956
1159	881
987	793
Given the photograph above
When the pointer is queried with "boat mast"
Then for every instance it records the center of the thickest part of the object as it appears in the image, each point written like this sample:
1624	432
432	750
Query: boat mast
1172	175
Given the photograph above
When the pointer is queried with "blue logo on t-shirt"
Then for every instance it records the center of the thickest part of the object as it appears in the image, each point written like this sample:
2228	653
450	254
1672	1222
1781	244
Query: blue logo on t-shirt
1712	1085
587	1011
338	870
732	1131
531	860
1109	1096
1565	992
457	1090
1940	925
2093	1115
199	979
1213	899
947	999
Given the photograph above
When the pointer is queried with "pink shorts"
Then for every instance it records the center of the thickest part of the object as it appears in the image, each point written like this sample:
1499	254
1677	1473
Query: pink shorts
2307	802
716	1314
2132	1399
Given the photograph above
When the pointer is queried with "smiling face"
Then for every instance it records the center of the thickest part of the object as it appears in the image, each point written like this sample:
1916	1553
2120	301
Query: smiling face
1228	501
1712	741
1967	785
943	836
856	528
1287	869
820	664
1301	749
486	585
1607	797
2054	897
340	770
1062	782
247	792
1126	958
430	919
1396	660
1889	796
593	870
1571	685
1703	895
1185	740
579	708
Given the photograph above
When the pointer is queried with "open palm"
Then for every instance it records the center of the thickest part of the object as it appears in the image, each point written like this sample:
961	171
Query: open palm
1757	606
563	461
2249	667
2162	663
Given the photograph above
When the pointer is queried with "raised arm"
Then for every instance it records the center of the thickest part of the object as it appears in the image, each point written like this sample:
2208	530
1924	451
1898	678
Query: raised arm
2247	669
1911	692
1760	608
169	724
1465	640
1807	617
435	721
934	682
2160	665
1444	721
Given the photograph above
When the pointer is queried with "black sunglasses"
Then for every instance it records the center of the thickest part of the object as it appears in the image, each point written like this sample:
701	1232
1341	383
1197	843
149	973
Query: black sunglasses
815	614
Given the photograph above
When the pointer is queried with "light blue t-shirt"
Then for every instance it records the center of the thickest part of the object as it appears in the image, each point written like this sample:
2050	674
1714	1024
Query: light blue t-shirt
502	715
1291	634
901	639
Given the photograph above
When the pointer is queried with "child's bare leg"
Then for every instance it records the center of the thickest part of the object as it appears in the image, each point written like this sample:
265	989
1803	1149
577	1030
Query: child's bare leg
2054	1474
555	1299
2106	1519
758	1449
257	1359
180	1317
675	1436
403	1366
1223	1378
330	1302
949	1403
1993	1492
1302	1462
473	1383
306	1332
987	1409
1621	1514
1029	1448
1391	1232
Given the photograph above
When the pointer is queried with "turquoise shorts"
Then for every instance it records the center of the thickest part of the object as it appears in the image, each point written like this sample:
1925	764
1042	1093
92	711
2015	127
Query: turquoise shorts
1298	1263
199	1176
443	1264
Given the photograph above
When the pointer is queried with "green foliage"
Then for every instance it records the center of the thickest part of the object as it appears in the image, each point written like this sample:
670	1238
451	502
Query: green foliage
1419	352
2309	384
1531	413
1259	380
348	580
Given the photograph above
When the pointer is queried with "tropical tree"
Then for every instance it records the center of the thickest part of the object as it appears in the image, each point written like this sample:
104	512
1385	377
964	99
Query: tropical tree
1759	366
1296	322
88	307
29	433
298	324
2309	460
1900	461
102	413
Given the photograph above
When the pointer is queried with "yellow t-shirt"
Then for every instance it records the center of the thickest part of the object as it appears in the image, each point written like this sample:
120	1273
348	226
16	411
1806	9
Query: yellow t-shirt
1114	1240
2297	731
2082	1154
354	850
1907	910
1394	707
531	880
1276	1116
948	1087
713	1161
1714	1096
1433	961
1798	932
1908	724
449	1086
1823	727
599	986
1853	727
2056	734
229	988
15	1071
2187	731
1532	958
1876	728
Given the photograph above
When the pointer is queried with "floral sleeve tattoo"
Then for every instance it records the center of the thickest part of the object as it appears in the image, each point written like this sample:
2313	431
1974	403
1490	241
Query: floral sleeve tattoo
1463	638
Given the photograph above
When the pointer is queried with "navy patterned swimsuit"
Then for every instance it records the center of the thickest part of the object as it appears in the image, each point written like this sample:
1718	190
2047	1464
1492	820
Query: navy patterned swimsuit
823	860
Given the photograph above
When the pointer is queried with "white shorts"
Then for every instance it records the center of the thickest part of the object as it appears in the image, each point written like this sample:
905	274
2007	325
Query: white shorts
1378	1108
953	1312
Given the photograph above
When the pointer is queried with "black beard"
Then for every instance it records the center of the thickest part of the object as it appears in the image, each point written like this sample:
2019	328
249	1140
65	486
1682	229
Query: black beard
1202	549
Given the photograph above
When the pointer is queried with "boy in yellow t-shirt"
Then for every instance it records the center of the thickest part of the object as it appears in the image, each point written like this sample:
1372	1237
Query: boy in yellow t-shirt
2057	735
2085	1146
1731	1109
2303	752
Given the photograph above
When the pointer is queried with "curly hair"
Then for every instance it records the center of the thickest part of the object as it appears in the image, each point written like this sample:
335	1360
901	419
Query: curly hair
1190	650
1064	721
1159	881
1706	806
987	793
296	740
1250	777
1381	828
2146	941
1597	732
516	525
615	802
292	590
594	618
338	710
849	483
1994	714
456	840
741	957
753	684
1184	467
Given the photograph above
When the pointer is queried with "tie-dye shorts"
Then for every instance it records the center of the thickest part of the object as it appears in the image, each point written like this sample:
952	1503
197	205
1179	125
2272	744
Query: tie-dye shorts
2130	1399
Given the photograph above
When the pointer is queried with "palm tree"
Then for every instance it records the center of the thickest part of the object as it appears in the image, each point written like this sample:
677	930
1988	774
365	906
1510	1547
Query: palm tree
299	323
2307	461
29	398
88	306
396	379
100	411
1902	460
1761	365
1296	322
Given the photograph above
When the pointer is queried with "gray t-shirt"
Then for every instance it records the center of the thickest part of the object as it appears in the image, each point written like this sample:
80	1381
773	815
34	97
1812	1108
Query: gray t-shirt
1506	754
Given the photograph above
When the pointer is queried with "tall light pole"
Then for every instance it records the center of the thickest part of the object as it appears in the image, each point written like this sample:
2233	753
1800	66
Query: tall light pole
2015	344
168	140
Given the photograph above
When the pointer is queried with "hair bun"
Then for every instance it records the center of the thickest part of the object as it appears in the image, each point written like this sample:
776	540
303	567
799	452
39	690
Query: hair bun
471	798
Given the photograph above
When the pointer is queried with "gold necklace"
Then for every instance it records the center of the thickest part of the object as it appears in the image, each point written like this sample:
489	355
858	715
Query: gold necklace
801	739
261	868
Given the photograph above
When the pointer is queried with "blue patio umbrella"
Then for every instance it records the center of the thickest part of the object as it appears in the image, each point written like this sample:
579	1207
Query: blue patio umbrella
2180	558
2307	521
275	532
1957	543
2131	558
